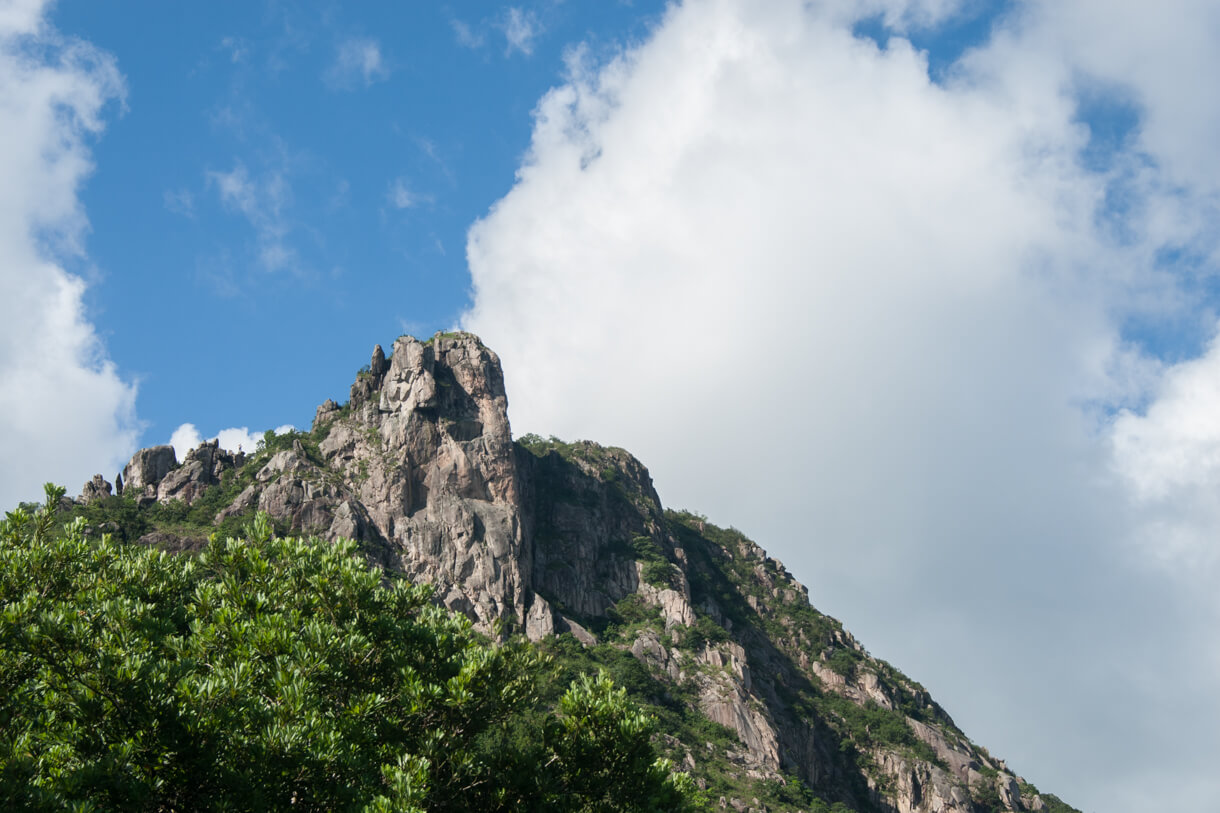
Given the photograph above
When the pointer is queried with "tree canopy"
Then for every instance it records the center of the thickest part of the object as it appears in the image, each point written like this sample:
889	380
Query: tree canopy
273	673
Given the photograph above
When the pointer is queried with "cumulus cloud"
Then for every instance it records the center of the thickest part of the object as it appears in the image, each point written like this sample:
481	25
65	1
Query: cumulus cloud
1175	443
67	412
358	61
185	438
1169	455
877	322
20	18
234	439
1152	57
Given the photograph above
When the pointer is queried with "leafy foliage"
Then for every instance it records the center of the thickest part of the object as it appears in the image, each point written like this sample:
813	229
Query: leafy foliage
629	615
119	516
280	673
688	732
657	570
703	632
987	796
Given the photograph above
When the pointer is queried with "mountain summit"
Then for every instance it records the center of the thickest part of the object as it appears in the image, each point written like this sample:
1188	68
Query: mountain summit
768	703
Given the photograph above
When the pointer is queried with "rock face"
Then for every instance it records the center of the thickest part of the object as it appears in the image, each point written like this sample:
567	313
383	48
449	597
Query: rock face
427	451
148	467
579	525
96	489
547	538
202	468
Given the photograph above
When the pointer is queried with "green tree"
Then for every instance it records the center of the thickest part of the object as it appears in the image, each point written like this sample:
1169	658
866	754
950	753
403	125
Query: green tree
281	673
605	747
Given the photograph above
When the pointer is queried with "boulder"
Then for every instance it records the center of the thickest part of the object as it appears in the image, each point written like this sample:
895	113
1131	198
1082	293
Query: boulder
96	489
201	469
148	467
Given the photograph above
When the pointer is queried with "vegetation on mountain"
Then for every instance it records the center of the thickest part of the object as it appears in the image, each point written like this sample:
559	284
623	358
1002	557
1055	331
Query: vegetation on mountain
276	673
568	578
725	567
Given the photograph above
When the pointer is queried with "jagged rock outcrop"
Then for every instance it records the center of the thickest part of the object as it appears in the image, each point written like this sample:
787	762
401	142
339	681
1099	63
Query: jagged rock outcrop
549	538
148	467
427	450
916	786
96	489
201	469
582	526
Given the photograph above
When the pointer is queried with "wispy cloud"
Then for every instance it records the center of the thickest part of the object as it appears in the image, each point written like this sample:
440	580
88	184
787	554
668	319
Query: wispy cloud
236	47
180	201
520	29
237	116
340	197
400	196
433	153
262	201
358	60
466	36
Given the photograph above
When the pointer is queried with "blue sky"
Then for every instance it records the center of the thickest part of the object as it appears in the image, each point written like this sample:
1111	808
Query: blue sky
921	294
363	176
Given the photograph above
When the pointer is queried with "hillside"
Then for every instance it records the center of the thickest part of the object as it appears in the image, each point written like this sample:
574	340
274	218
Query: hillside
767	703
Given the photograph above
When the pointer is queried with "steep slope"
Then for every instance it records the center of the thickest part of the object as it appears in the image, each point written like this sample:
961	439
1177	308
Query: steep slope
771	705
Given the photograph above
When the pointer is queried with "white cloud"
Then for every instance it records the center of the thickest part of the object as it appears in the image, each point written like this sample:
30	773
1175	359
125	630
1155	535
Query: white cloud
184	438
20	18
465	35
180	201
1175	444
341	198
1170	456
67	412
358	60
1152	55
234	439
262	201
236	47
876	322
520	29
899	15
400	195
237	439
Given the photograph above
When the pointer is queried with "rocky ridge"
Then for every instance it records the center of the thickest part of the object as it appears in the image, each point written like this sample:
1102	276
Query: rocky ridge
569	542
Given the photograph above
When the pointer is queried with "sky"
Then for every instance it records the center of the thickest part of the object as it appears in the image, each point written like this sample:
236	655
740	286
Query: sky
919	294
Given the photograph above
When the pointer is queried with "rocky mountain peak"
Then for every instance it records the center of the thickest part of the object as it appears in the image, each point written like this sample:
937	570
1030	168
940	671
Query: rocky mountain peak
550	538
425	447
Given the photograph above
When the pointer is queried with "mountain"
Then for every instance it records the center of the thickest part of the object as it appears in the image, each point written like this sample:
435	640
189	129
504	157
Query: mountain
769	704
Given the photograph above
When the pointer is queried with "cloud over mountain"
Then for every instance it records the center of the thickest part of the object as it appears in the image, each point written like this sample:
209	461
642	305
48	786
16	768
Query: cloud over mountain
881	322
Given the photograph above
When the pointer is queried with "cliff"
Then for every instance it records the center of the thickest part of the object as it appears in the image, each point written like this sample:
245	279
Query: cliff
772	705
